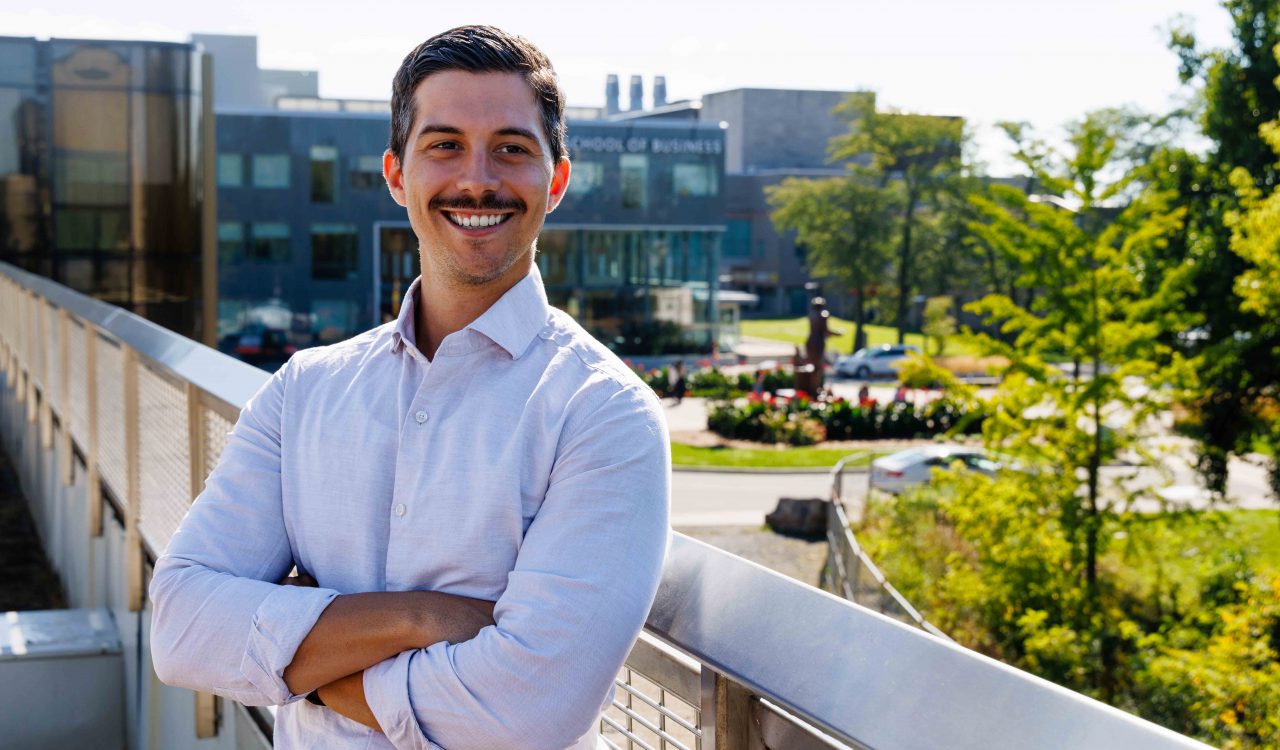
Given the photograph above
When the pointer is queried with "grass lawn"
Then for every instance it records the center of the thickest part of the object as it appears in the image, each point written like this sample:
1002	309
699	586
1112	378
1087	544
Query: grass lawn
796	330
768	458
1192	544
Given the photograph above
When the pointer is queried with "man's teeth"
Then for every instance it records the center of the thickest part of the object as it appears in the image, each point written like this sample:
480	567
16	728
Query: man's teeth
476	220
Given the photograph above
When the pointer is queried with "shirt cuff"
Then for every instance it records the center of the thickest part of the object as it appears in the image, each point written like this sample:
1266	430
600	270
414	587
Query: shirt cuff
386	690
282	620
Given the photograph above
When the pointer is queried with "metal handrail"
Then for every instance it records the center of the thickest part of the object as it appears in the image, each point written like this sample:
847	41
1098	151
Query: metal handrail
771	656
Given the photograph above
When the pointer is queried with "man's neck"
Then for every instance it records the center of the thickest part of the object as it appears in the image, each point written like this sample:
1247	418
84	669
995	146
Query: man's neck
444	307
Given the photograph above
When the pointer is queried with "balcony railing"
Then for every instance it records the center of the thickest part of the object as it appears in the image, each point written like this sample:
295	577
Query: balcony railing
113	424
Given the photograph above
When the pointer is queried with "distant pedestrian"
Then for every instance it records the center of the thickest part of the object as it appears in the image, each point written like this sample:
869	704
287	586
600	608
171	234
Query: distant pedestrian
678	385
758	387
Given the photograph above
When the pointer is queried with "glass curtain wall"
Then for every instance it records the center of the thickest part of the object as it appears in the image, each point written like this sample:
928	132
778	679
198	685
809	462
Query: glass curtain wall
125	125
639	291
24	175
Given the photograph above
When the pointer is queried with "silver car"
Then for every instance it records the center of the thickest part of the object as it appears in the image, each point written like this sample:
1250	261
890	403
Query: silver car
914	466
875	361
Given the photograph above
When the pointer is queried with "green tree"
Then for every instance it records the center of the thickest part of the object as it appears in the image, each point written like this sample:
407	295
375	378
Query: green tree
1235	342
939	325
920	152
845	224
1087	256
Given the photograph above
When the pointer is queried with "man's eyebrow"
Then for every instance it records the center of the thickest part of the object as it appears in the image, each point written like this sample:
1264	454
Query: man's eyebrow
518	132
432	127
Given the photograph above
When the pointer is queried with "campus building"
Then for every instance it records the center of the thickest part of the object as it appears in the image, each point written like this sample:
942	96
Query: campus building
104	181
772	134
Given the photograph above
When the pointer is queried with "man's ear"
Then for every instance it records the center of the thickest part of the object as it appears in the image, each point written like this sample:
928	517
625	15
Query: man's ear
392	173
559	184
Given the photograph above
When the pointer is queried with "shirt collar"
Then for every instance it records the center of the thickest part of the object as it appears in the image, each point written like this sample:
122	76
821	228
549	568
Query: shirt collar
512	322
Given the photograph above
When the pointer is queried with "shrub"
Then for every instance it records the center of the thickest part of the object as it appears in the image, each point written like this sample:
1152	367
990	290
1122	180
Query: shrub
763	418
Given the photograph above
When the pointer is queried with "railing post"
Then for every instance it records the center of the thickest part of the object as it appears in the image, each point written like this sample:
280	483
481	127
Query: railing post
726	712
133	480
64	394
93	488
206	703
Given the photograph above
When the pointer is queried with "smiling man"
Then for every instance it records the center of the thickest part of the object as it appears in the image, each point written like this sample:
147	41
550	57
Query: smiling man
475	495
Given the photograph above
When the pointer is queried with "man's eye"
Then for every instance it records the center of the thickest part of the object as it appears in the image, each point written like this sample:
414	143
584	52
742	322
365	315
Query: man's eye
446	145
512	148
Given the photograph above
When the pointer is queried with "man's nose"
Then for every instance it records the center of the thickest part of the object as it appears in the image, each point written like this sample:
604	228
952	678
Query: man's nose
478	175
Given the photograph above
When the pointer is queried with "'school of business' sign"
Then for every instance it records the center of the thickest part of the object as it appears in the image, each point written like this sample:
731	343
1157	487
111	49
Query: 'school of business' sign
641	145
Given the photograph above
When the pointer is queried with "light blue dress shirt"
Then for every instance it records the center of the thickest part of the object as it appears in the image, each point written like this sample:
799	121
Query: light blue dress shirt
524	464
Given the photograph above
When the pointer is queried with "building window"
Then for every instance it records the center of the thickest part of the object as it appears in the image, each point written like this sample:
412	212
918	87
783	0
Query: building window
555	260
602	259
635	180
587	177
270	242
230	241
230	170
324	174
333	251
694	180
737	239
271	170
366	172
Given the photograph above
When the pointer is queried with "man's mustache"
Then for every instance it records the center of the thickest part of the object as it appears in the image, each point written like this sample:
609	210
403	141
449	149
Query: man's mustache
488	202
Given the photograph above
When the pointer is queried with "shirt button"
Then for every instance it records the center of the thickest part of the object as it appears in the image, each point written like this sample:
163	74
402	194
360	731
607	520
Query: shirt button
400	509
420	417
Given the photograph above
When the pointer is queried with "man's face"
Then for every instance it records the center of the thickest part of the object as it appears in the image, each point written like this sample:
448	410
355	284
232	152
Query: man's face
477	176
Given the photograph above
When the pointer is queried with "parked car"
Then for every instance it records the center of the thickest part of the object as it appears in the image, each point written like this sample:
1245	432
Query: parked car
914	466
875	361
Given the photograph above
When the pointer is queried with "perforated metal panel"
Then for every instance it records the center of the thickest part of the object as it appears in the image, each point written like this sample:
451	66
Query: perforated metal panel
50	365
162	453
216	430
111	448
646	715
78	404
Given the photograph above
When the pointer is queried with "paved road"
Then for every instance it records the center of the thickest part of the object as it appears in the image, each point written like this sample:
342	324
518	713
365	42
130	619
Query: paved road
723	499
717	499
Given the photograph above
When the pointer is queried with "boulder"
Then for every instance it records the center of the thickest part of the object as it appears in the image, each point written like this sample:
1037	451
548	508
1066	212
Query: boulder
799	516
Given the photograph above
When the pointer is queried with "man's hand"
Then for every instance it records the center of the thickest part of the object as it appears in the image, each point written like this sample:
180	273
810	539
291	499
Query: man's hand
357	631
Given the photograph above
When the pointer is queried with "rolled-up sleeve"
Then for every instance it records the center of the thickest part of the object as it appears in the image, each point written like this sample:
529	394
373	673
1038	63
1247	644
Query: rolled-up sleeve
220	623
584	580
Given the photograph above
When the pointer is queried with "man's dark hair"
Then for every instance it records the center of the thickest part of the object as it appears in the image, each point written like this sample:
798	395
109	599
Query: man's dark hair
477	49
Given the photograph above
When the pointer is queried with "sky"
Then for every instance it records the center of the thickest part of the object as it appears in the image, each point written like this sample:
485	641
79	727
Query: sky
1045	62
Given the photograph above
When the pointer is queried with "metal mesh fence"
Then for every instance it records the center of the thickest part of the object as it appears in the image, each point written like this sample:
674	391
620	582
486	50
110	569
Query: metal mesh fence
162	453
216	430
77	408
646	715
111	447
47	317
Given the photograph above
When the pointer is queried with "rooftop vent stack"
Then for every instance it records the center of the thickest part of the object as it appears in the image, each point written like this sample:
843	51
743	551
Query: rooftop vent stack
659	91
611	94
637	94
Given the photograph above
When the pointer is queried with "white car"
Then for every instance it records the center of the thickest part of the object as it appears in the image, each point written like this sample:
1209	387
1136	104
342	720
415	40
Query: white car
875	361
914	466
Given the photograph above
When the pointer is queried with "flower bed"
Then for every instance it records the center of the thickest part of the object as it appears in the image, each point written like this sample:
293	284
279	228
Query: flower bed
804	421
